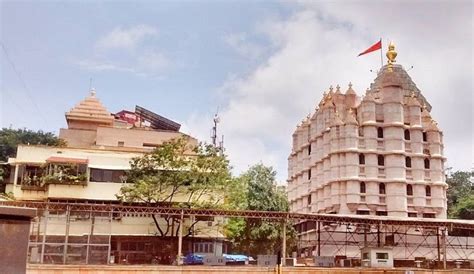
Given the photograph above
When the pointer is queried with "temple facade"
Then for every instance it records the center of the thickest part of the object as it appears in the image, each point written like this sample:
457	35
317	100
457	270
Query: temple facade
378	154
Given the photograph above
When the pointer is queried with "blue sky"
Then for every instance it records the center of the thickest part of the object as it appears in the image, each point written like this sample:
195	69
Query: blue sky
264	64
47	41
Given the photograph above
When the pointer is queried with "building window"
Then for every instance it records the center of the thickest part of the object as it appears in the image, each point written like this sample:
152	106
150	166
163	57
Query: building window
427	163
381	213
412	214
362	187
381	256
381	188
309	174
380	160
203	247
407	134
379	132
407	161
409	190
429	215
121	143
428	191
363	212
361	159
107	175
309	149
425	137
361	132
309	199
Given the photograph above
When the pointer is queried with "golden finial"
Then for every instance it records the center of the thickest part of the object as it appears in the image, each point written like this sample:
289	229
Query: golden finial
391	55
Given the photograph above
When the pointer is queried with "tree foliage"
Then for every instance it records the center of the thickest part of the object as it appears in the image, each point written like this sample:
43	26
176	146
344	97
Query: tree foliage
460	195
256	189
180	175
11	138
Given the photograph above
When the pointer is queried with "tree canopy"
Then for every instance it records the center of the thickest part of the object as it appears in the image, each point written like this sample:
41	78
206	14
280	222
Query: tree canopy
180	175
460	195
256	189
11	138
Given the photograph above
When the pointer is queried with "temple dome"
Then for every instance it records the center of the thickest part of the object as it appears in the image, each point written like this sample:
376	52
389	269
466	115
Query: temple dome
89	114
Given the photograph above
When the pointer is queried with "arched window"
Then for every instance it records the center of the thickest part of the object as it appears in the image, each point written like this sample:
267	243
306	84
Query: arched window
362	187
380	160
425	137
361	159
381	188
379	132
427	163
407	134
407	161
428	191
409	190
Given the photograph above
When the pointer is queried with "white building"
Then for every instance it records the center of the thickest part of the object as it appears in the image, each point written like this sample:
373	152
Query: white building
379	154
92	169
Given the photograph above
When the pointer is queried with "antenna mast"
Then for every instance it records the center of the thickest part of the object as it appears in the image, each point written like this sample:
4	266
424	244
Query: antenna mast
215	142
214	130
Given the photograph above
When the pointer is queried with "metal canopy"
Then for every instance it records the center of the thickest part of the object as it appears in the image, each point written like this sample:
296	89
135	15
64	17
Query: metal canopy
270	215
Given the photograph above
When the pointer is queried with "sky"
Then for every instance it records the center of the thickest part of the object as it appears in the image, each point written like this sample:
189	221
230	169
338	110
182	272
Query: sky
262	65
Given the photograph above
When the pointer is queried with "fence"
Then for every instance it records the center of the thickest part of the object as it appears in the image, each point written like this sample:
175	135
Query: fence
77	233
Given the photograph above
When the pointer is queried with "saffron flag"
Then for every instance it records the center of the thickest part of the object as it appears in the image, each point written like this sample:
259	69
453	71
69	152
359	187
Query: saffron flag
374	47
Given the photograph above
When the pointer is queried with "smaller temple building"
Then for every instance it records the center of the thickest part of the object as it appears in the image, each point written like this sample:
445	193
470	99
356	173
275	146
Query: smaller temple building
92	168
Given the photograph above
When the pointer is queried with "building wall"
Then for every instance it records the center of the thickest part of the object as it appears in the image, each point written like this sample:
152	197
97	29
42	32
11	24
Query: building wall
136	138
324	167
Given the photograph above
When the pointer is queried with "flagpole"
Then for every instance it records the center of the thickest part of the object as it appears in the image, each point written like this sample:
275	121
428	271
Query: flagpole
381	55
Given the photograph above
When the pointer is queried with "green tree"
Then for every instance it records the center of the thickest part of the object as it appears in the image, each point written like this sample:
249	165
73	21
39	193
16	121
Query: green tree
464	209
460	195
11	138
256	189
179	175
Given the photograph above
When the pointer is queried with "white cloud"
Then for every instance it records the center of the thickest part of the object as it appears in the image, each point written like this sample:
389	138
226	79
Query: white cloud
316	47
132	50
129	38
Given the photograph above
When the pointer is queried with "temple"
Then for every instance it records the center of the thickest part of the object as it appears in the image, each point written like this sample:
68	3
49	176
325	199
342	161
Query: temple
379	154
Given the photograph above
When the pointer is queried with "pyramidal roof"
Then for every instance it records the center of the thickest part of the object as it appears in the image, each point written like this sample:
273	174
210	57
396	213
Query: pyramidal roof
397	75
90	110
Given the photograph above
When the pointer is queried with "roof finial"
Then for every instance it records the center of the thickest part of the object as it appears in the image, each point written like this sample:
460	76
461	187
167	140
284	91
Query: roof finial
92	92
391	55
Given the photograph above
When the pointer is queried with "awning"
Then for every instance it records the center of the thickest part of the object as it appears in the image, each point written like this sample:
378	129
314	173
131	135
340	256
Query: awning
66	160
